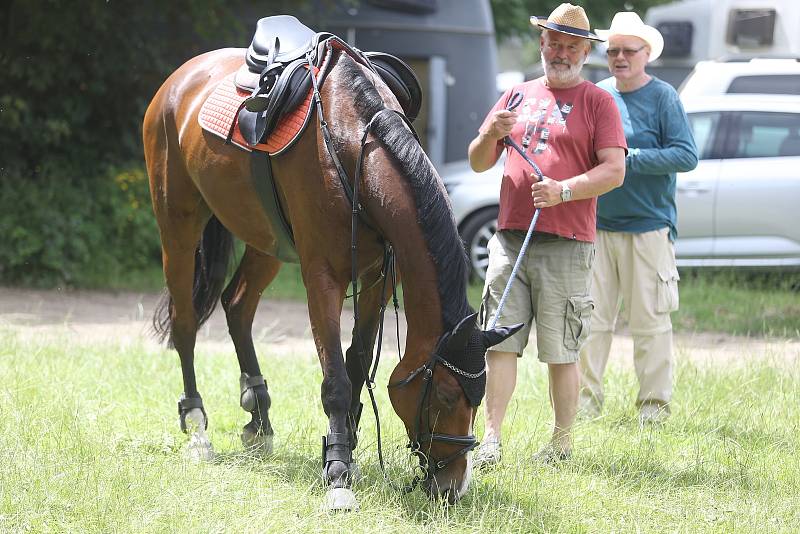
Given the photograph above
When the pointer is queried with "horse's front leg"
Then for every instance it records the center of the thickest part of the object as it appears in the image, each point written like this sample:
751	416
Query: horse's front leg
360	354
325	298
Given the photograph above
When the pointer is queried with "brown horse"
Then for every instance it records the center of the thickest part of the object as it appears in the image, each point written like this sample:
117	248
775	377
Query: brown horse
202	192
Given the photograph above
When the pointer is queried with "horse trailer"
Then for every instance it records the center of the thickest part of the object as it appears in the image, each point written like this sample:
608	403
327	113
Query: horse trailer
697	30
450	45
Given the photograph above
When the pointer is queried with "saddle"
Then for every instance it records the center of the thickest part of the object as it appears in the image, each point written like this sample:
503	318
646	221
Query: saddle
265	106
277	73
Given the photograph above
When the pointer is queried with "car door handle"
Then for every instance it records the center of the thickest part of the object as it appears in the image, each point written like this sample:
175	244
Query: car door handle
693	188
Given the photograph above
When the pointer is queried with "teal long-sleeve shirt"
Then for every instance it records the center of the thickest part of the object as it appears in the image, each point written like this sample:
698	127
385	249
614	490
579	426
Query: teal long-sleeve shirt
660	144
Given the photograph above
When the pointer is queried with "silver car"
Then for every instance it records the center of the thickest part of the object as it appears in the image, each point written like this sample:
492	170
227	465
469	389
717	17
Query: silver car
739	207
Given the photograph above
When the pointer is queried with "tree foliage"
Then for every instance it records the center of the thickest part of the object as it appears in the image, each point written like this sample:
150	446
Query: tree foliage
77	77
511	17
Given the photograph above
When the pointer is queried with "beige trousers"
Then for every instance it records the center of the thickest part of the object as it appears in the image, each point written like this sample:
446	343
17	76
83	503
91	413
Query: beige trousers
638	270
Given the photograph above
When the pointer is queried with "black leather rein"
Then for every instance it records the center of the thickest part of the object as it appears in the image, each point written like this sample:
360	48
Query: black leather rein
428	464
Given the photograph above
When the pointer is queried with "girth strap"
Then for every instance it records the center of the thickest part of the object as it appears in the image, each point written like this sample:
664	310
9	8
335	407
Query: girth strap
267	189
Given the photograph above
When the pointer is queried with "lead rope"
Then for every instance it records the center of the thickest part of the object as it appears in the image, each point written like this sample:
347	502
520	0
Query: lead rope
388	263
513	102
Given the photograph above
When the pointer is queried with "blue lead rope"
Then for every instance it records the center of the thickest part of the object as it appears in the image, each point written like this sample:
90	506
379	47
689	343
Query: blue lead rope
513	102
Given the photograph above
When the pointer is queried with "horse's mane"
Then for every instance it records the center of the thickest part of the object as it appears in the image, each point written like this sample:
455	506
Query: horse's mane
433	213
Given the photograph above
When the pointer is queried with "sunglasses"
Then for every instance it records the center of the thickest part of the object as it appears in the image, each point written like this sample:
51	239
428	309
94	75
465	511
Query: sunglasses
627	52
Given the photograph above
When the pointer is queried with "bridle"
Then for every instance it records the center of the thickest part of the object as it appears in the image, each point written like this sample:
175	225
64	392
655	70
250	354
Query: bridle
430	465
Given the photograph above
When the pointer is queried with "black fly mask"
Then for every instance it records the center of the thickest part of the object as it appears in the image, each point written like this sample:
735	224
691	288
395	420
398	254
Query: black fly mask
463	351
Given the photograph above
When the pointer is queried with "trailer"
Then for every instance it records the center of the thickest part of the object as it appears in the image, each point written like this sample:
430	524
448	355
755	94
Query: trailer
450	45
697	30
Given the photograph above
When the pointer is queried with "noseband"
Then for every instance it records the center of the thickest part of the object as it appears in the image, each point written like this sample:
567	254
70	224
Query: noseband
430	465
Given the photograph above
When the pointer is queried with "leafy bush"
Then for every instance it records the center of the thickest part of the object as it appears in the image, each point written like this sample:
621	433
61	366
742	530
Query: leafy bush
77	78
64	228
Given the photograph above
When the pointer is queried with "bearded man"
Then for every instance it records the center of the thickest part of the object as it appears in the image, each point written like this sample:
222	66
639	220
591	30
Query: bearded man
572	130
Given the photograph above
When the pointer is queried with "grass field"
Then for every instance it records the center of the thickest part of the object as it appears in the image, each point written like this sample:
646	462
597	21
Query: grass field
89	442
723	300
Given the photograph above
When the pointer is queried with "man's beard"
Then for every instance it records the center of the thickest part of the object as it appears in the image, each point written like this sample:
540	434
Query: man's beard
563	76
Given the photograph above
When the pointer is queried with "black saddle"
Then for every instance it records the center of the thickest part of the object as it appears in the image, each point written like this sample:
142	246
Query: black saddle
281	38
276	73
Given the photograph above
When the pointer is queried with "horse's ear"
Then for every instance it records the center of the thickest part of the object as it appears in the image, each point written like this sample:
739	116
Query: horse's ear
462	332
496	335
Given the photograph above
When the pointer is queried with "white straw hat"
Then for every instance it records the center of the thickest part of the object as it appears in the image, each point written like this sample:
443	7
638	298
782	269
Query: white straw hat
629	23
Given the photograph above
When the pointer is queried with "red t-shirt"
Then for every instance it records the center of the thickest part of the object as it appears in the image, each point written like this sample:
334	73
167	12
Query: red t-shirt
561	130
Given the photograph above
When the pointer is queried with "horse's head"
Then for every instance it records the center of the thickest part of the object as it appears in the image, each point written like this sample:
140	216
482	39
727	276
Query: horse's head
438	401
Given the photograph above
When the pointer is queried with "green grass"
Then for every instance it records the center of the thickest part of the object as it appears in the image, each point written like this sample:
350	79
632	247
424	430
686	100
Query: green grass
725	301
740	303
89	442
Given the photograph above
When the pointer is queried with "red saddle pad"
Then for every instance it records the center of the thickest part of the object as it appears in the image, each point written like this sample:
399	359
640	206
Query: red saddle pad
219	112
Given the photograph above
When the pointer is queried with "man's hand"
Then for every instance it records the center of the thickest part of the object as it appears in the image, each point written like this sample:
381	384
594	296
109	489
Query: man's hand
501	124
546	192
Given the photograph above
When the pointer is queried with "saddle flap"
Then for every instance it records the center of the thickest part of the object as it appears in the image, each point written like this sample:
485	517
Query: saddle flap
400	79
289	91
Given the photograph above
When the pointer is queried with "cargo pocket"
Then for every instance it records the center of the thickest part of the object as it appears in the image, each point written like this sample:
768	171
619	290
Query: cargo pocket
667	291
576	321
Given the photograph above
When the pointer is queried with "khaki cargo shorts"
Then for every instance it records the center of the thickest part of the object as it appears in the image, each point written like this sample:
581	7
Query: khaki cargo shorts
551	289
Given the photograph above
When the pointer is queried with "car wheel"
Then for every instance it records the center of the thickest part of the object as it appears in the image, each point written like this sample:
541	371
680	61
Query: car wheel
476	233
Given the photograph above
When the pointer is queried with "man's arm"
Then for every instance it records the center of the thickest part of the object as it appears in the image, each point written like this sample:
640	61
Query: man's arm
484	149
607	175
678	153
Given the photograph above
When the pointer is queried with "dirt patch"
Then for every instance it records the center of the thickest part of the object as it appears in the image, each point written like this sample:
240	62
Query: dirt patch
120	315
284	325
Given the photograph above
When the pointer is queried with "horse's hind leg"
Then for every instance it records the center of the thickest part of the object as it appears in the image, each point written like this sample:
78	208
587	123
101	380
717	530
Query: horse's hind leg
240	300
179	241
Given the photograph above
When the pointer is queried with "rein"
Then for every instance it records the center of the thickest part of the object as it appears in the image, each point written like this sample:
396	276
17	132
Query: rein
428	464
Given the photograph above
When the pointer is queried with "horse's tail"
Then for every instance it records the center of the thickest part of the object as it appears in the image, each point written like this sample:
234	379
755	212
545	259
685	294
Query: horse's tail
211	261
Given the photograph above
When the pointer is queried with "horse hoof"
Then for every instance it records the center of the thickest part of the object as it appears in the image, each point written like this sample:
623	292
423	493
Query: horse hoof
257	444
340	500
199	448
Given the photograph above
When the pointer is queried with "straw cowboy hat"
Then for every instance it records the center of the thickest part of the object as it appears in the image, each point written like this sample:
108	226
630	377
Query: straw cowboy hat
568	19
629	23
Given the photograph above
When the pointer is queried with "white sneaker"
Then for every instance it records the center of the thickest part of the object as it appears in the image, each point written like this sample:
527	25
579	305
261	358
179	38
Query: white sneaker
653	413
487	454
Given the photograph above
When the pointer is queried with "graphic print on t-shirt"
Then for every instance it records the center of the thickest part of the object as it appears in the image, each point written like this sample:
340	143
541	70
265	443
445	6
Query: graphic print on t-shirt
541	122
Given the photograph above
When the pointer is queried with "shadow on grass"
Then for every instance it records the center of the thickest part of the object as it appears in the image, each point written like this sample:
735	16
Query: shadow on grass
477	510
